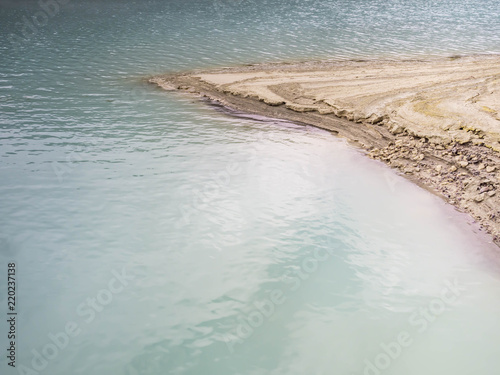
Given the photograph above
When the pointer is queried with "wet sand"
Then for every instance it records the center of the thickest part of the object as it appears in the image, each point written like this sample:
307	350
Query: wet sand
436	121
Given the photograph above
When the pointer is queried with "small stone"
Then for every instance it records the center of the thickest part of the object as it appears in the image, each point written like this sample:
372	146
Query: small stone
399	143
421	157
490	169
481	166
452	168
491	193
463	163
376	119
417	169
438	168
479	198
396	129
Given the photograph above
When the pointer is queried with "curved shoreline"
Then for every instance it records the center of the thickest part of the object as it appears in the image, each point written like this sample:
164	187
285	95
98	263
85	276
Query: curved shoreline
435	121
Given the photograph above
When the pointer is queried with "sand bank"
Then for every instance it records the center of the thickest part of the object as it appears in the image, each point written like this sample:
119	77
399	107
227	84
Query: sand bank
436	121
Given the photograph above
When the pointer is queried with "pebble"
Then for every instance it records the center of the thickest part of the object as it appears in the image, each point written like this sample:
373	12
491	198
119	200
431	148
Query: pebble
396	129
463	163
479	198
452	168
438	168
490	169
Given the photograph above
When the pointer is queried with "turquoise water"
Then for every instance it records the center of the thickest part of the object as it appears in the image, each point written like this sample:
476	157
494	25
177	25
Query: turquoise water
155	234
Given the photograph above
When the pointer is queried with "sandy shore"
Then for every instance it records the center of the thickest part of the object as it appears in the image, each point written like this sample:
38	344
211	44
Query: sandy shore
436	121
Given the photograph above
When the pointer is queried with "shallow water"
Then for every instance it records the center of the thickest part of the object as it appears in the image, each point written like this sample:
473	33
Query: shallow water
182	240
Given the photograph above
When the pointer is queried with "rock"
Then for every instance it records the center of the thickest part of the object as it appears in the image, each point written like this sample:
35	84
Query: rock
376	119
396	129
325	111
481	166
462	137
421	157
479	198
491	193
357	117
438	168
490	169
399	143
463	163
293	106
452	168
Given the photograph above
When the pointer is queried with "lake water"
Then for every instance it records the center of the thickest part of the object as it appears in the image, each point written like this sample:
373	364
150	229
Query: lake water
155	234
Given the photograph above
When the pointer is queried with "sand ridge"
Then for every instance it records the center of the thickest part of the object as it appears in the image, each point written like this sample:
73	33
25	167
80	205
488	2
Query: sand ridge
437	121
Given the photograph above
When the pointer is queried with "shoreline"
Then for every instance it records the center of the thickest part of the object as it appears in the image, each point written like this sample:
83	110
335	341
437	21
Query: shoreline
434	121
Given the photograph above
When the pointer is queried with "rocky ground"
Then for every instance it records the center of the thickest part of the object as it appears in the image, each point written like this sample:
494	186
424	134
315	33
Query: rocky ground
465	175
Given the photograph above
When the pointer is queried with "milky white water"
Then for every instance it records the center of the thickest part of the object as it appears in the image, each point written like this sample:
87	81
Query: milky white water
171	238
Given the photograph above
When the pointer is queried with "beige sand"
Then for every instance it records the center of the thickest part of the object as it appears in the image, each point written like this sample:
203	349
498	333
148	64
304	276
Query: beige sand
437	121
